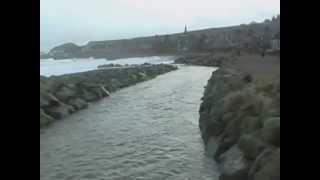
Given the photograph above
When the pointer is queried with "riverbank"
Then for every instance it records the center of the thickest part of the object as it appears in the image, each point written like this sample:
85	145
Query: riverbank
240	118
215	59
63	95
146	131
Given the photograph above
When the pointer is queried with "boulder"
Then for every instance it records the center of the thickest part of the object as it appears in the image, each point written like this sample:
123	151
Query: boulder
250	124
90	96
141	75
212	146
210	129
226	141
43	101
78	103
259	162
133	77
115	84
44	118
104	91
99	91
233	165
59	112
64	94
271	169
53	101
251	146
271	131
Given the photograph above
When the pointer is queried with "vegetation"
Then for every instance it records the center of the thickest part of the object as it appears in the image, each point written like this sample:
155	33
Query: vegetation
240	118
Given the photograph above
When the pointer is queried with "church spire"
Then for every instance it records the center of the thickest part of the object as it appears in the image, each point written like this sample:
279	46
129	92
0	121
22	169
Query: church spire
185	29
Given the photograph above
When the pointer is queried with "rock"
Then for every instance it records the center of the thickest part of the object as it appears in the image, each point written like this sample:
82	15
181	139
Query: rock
90	96
210	129
53	100
48	99
226	141
133	77
259	162
104	92
64	94
78	103
233	165
235	122
271	131
44	118
212	146
141	75
59	112
271	169
115	84
250	124
44	101
251	146
98	92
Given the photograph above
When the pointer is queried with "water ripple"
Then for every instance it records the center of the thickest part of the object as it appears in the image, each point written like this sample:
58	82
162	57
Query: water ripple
143	132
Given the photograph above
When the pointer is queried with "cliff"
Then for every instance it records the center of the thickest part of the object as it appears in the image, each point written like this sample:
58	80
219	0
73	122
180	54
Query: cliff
63	95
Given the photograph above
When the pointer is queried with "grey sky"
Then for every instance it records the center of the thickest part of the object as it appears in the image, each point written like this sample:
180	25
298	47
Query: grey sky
80	21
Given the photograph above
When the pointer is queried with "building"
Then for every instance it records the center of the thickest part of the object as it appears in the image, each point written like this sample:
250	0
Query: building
183	41
275	44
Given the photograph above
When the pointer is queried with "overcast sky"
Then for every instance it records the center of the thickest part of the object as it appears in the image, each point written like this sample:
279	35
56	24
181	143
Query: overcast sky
80	21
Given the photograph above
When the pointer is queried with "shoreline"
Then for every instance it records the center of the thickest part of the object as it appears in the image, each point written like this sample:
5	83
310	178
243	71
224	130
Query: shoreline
63	95
240	118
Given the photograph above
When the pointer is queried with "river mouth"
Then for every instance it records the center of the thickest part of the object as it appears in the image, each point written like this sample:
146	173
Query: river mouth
147	131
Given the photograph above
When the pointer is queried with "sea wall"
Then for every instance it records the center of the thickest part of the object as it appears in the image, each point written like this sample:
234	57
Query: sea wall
240	125
63	95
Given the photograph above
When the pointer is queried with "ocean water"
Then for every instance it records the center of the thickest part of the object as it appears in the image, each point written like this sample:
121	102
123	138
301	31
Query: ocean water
50	67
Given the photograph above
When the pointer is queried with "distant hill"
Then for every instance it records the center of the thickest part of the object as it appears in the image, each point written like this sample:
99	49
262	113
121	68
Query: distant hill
245	36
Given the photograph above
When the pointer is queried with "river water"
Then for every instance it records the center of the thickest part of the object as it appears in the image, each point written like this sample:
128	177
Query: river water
146	132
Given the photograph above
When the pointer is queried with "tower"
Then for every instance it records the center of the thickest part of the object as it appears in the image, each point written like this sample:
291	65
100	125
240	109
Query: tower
183	40
185	30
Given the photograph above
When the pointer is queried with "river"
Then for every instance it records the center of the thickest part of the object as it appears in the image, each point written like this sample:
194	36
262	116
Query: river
144	132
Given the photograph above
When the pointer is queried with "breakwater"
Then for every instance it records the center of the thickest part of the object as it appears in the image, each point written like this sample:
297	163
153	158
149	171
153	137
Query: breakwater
63	95
240	124
146	131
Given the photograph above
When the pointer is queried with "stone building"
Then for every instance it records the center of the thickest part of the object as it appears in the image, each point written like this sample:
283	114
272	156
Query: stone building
183	41
275	44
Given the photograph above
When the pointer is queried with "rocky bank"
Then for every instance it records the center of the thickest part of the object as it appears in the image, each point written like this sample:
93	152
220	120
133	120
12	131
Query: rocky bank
240	124
207	59
63	95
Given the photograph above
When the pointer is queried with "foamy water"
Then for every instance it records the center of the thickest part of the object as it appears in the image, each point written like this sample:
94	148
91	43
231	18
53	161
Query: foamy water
50	67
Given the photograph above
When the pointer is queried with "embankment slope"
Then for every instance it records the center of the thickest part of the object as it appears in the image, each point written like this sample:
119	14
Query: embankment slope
63	95
240	118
